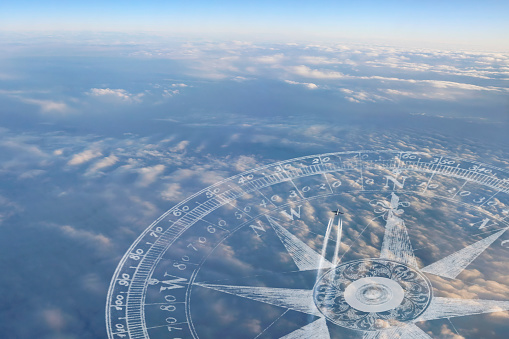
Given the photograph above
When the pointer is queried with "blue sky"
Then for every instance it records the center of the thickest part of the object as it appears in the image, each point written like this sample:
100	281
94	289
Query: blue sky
478	24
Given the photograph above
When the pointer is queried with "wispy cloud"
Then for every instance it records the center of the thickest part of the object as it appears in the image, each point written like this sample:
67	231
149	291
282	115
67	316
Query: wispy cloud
85	156
305	71
45	105
103	163
115	94
149	174
308	85
361	96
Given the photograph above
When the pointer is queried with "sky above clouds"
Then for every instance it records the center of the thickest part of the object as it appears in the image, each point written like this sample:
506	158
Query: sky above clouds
111	112
470	24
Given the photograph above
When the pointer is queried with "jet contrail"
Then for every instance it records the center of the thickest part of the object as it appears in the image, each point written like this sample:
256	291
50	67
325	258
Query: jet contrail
338	242
326	240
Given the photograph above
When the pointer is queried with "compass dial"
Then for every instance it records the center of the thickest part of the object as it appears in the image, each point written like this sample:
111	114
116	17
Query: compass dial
371	244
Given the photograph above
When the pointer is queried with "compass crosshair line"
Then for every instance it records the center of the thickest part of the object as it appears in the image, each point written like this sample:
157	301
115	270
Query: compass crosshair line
396	252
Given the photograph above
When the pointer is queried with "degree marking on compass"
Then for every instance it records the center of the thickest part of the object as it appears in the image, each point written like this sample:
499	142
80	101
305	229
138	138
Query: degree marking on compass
238	209
165	303
269	200
328	183
166	325
459	189
490	198
298	191
432	175
215	225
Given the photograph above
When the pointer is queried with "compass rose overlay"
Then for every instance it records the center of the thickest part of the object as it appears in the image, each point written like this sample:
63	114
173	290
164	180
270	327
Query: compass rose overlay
421	246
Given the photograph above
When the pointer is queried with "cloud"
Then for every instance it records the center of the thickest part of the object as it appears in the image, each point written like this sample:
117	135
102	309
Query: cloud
149	174
20	145
181	146
306	84
45	105
54	319
115	94
361	96
84	156
172	192
168	93
103	163
305	71
269	59
97	239
48	106
31	174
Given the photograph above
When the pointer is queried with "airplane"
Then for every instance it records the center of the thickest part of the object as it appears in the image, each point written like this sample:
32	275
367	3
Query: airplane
337	212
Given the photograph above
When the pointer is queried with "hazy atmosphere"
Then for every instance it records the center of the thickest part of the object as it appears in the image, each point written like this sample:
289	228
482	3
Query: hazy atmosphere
112	112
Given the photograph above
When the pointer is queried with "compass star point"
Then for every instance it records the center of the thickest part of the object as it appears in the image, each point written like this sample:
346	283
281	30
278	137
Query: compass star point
396	244
317	329
454	307
295	299
303	256
452	265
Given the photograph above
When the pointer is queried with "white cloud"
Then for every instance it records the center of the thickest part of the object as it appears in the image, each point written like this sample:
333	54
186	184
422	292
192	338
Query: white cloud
168	93
309	85
149	174
361	96
115	94
103	163
305	71
84	156
31	174
23	147
269	59
97	239
47	106
181	146
54	319
244	162
172	192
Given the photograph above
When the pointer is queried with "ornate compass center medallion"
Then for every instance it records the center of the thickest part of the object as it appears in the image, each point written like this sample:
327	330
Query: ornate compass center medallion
372	294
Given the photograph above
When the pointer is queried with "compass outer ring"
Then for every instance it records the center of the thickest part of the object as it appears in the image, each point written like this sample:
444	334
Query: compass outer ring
494	182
